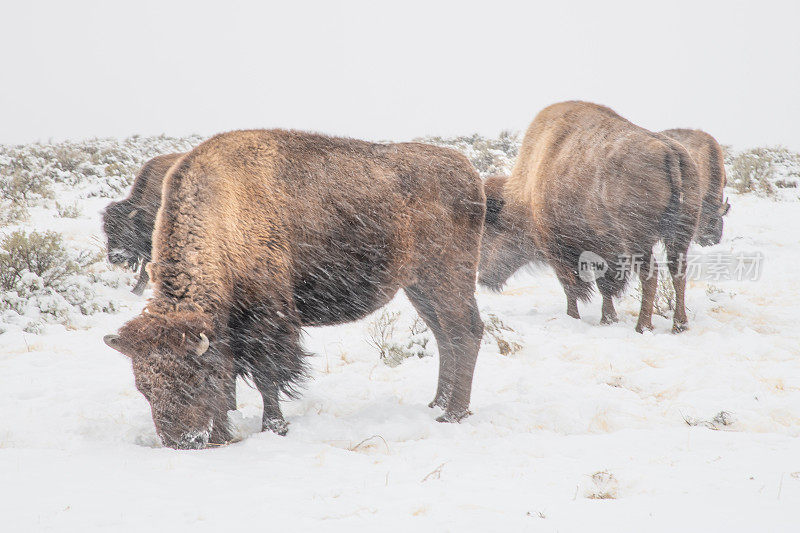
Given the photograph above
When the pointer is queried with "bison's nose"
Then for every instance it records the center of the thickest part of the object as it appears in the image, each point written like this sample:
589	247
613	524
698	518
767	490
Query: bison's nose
194	440
195	443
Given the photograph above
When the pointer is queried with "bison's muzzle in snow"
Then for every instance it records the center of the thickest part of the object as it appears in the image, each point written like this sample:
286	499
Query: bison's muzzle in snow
263	232
179	375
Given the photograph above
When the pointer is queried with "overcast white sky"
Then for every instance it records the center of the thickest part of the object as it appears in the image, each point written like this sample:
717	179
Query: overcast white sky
395	70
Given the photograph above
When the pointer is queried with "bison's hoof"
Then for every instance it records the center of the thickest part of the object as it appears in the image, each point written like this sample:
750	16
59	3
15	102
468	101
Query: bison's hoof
679	327
641	328
138	290
439	401
457	416
279	426
611	319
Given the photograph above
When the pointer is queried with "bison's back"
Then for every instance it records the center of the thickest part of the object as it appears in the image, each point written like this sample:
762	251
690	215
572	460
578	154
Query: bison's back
147	184
342	222
584	170
708	156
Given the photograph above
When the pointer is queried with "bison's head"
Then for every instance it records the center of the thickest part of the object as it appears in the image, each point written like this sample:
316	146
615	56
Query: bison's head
710	225
507	244
128	232
182	375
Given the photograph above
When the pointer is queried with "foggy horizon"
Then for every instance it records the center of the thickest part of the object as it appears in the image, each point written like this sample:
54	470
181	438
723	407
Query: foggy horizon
381	72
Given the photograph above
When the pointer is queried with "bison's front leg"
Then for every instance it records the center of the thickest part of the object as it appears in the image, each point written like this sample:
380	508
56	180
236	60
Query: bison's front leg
272	419
141	284
221	433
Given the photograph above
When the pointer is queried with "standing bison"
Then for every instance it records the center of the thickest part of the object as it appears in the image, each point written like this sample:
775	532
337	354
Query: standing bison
707	155
589	184
263	232
128	224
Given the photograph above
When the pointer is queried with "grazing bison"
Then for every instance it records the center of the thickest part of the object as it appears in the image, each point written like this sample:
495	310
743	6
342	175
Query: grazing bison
707	155
263	232
128	224
587	180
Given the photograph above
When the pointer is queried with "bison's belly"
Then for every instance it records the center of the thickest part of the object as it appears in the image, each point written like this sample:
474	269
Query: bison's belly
343	291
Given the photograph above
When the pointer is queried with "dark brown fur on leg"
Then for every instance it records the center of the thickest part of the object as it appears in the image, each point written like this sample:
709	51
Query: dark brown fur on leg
649	280
609	313
609	285
466	342
462	329
272	419
572	294
141	284
677	269
426	311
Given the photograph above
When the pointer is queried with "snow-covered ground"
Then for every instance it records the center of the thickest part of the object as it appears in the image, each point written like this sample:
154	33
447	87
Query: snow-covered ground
587	428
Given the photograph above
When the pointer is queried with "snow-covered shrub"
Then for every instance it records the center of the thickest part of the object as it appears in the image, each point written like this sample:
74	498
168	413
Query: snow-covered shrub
393	351
68	210
20	188
602	485
497	332
753	171
106	166
39	254
44	281
489	156
664	300
763	170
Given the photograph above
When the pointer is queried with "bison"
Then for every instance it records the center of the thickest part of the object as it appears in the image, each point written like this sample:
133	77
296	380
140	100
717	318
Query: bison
128	224
590	186
263	232
707	155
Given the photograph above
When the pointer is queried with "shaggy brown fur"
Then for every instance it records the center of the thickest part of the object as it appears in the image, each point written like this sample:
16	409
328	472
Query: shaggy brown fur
263	232
588	180
708	156
128	224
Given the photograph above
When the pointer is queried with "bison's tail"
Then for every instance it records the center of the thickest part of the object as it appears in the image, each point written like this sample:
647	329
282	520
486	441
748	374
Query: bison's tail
679	218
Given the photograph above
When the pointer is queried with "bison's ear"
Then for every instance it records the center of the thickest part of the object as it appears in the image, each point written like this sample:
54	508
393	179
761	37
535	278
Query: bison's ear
493	207
115	341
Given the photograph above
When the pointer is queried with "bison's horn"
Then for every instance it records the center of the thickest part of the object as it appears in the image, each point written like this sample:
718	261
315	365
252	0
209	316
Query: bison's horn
112	341
203	346
725	207
133	213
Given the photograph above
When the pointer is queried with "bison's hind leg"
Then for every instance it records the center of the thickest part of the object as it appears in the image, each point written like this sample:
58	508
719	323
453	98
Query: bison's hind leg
676	255
648	276
452	314
610	285
565	261
575	289
427	312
